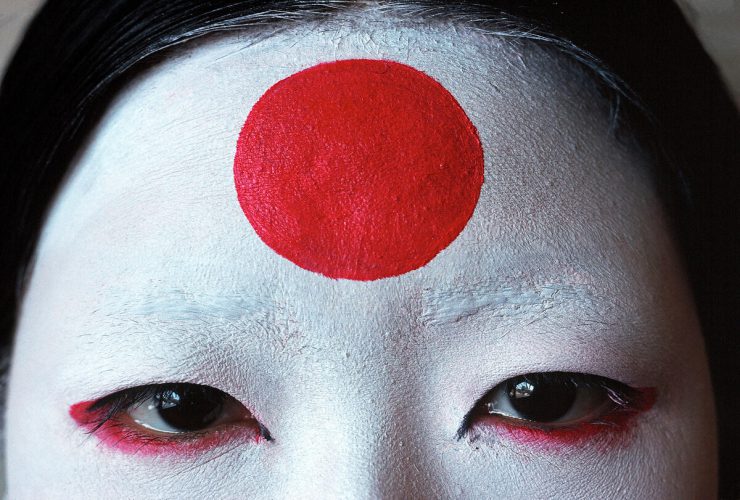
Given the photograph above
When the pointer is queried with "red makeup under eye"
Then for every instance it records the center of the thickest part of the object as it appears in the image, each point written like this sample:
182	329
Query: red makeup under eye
110	420
608	430
549	411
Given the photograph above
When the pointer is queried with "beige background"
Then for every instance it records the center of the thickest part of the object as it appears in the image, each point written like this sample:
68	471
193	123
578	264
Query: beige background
717	23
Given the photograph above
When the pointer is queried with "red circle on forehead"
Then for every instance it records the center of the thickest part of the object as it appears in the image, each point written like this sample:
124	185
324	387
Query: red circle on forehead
358	169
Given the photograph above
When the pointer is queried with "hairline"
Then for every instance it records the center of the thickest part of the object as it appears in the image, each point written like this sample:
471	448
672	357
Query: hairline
264	24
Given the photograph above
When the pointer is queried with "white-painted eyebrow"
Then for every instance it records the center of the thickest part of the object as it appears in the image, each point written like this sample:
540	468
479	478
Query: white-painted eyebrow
178	305
174	324
445	306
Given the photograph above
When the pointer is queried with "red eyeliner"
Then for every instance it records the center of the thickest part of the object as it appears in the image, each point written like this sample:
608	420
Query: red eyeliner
609	430
123	436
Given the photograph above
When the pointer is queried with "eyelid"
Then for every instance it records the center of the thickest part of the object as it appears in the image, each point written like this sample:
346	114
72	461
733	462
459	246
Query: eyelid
105	408
627	402
109	420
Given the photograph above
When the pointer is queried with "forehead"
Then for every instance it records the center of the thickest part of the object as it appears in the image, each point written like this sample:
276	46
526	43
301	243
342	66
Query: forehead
151	205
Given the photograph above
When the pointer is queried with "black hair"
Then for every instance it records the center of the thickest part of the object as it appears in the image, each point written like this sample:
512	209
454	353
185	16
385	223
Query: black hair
76	54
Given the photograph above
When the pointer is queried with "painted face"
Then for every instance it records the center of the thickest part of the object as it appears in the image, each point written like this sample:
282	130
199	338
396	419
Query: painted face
376	261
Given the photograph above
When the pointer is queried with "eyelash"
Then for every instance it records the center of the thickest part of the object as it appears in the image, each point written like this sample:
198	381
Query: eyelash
106	417
607	429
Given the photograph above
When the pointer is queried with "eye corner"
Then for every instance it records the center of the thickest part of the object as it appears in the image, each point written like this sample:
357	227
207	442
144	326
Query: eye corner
639	399
85	413
264	433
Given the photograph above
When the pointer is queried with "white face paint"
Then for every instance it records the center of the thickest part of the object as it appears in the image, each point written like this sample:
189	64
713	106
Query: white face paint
148	272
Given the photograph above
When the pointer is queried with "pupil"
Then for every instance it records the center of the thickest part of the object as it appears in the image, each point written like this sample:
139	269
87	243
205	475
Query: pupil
189	408
541	400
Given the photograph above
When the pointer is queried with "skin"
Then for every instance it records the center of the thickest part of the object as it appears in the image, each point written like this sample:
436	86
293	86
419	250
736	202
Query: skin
148	272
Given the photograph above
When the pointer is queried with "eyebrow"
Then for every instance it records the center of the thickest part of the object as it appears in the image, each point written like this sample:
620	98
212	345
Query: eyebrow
179	305
439	306
446	306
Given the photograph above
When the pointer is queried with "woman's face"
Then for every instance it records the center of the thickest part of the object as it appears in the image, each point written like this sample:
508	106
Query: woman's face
153	269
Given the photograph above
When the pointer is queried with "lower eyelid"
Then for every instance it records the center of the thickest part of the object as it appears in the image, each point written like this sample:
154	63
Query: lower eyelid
122	435
609	430
129	440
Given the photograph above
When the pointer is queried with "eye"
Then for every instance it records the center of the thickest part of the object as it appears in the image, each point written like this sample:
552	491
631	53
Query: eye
183	408
554	399
559	405
174	415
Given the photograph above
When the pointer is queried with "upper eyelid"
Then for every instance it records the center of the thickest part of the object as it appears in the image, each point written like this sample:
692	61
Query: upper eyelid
136	395
129	396
123	400
628	392
113	404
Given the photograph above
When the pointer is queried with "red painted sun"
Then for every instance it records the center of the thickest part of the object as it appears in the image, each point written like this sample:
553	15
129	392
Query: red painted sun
358	169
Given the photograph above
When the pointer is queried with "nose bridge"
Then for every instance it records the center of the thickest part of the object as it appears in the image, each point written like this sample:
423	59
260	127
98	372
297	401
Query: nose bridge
354	433
351	430
368	451
330	437
331	457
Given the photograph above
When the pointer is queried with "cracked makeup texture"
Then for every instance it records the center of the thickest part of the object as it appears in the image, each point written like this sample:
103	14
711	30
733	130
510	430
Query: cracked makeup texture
148	272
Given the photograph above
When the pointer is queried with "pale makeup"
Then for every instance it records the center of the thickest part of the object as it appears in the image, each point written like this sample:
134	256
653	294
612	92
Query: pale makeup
148	272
